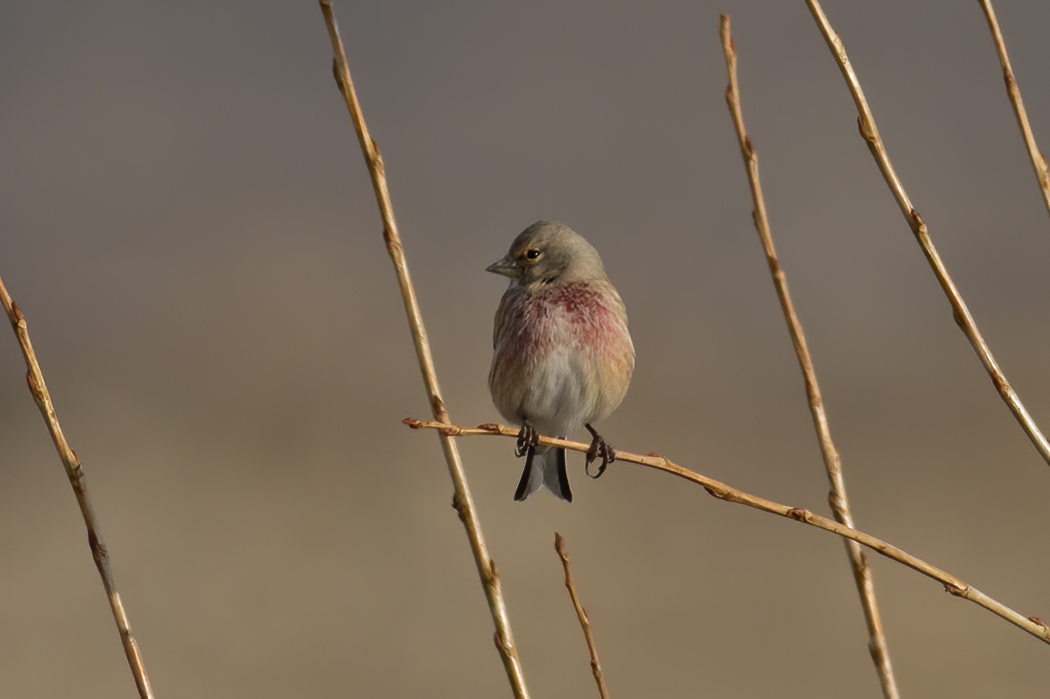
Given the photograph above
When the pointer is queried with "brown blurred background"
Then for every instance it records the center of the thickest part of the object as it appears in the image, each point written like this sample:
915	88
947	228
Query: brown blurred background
187	223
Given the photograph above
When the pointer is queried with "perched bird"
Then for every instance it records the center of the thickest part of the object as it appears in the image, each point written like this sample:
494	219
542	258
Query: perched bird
562	357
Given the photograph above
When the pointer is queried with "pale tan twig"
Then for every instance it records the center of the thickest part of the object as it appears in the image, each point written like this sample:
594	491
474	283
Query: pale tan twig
832	462
581	614
727	493
75	473
960	312
1038	159
462	500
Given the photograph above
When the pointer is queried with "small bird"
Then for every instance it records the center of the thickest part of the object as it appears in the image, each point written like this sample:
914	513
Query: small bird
562	357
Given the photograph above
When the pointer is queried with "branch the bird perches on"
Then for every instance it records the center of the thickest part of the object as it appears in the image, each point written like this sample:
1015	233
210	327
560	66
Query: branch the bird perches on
728	493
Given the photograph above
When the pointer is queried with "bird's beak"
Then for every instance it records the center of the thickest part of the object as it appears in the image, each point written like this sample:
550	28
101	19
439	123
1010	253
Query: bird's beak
504	266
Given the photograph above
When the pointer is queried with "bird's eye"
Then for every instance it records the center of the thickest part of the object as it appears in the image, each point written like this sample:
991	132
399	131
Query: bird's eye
533	254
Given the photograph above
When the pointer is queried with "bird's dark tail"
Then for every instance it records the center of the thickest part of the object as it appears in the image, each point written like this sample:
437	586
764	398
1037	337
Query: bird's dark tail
545	468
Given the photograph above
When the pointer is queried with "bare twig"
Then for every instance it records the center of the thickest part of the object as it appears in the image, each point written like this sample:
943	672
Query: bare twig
581	614
960	312
832	462
727	493
462	500
75	473
1038	160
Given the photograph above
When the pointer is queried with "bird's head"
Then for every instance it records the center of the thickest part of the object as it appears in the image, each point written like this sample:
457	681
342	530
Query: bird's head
547	252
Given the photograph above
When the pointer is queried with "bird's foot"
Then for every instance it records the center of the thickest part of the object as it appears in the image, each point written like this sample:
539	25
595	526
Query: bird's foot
599	448
527	438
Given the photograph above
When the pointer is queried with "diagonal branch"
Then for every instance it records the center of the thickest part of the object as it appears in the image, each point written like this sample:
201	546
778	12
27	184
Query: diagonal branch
1038	160
461	500
832	462
581	614
960	312
75	473
728	493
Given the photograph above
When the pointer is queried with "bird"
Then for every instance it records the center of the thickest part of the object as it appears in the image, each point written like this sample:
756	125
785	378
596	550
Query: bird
562	356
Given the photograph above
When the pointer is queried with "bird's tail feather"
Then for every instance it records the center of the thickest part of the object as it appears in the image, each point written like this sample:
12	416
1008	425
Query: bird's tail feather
547	469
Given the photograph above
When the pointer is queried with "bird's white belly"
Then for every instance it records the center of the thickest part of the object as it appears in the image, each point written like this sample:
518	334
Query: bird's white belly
560	398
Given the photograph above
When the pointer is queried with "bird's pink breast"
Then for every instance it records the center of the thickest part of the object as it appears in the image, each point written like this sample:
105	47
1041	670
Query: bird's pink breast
577	315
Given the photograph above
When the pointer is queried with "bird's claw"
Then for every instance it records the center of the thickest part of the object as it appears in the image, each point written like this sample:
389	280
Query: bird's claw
599	448
527	438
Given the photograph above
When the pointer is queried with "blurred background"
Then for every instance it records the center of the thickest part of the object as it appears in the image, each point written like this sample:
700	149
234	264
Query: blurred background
189	228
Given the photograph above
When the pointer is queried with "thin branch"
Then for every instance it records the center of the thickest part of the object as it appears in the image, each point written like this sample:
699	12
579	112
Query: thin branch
462	500
581	614
75	473
832	462
727	493
960	312
1038	160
